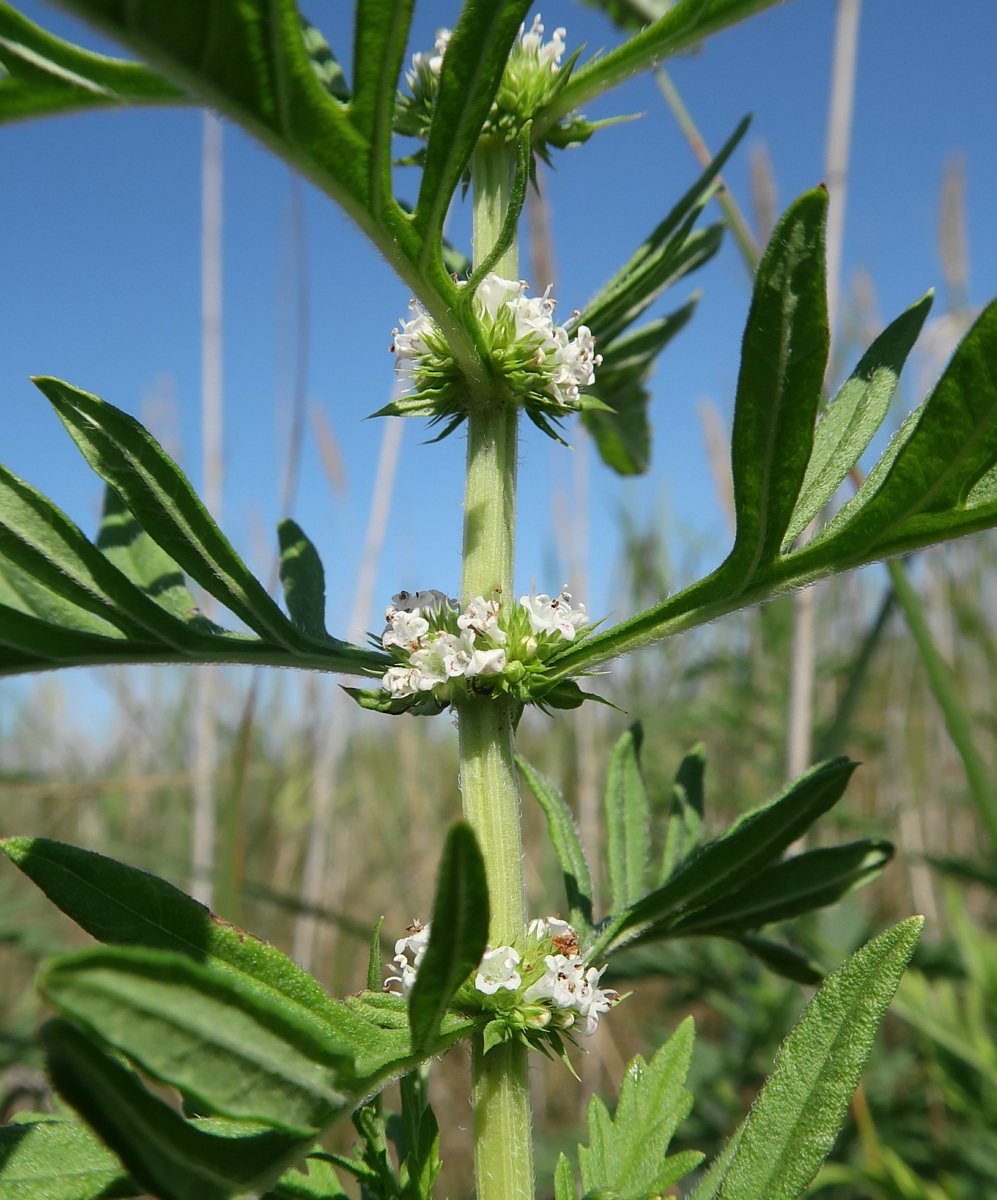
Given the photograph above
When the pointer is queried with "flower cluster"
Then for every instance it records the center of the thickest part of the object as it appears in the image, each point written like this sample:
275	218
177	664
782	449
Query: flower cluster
545	986
544	366
532	76
442	653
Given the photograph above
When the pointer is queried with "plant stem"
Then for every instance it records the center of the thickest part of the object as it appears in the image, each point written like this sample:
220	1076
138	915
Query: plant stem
503	1150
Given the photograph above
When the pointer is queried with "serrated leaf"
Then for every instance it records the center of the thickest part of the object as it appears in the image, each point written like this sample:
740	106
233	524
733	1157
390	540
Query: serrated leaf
472	70
799	1111
564	1179
59	1159
627	821
319	1183
458	936
303	579
41	75
685	815
567	844
627	1154
232	1052
855	415
730	861
783	359
790	888
173	1158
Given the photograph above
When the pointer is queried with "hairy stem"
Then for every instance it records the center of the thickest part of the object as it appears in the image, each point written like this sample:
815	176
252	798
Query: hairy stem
503	1150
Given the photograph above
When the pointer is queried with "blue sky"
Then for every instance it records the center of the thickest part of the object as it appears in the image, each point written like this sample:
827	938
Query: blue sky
99	245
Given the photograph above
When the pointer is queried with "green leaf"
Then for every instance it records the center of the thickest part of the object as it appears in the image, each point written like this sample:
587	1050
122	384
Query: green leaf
320	1183
375	967
627	820
945	449
156	491
799	1111
62	577
123	541
233	1053
627	1154
730	861
783	960
783	359
303	578
173	1158
324	63
469	80
567	844
59	1159
564	1179
682	26
623	435
855	415
685	816
379	38
41	75
458	936
121	905
790	888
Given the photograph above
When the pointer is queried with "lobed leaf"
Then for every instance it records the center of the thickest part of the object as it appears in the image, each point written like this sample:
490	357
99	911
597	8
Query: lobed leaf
170	1157
783	359
794	886
469	80
42	75
730	861
855	415
458	935
567	844
627	1153
627	821
799	1111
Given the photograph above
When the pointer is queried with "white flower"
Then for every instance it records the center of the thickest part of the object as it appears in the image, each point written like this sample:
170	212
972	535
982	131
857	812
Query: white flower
533	43
441	657
405	977
429	64
481	617
494	292
401	681
409	342
485	662
560	982
555	928
555	615
498	970
416	942
404	629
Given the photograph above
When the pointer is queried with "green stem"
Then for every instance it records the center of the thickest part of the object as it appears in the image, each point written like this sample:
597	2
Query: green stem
503	1148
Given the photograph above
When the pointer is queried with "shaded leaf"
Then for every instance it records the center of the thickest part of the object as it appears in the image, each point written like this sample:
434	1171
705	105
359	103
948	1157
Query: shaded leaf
567	844
685	816
783	960
627	820
173	1158
41	75
303	578
58	1159
458	937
